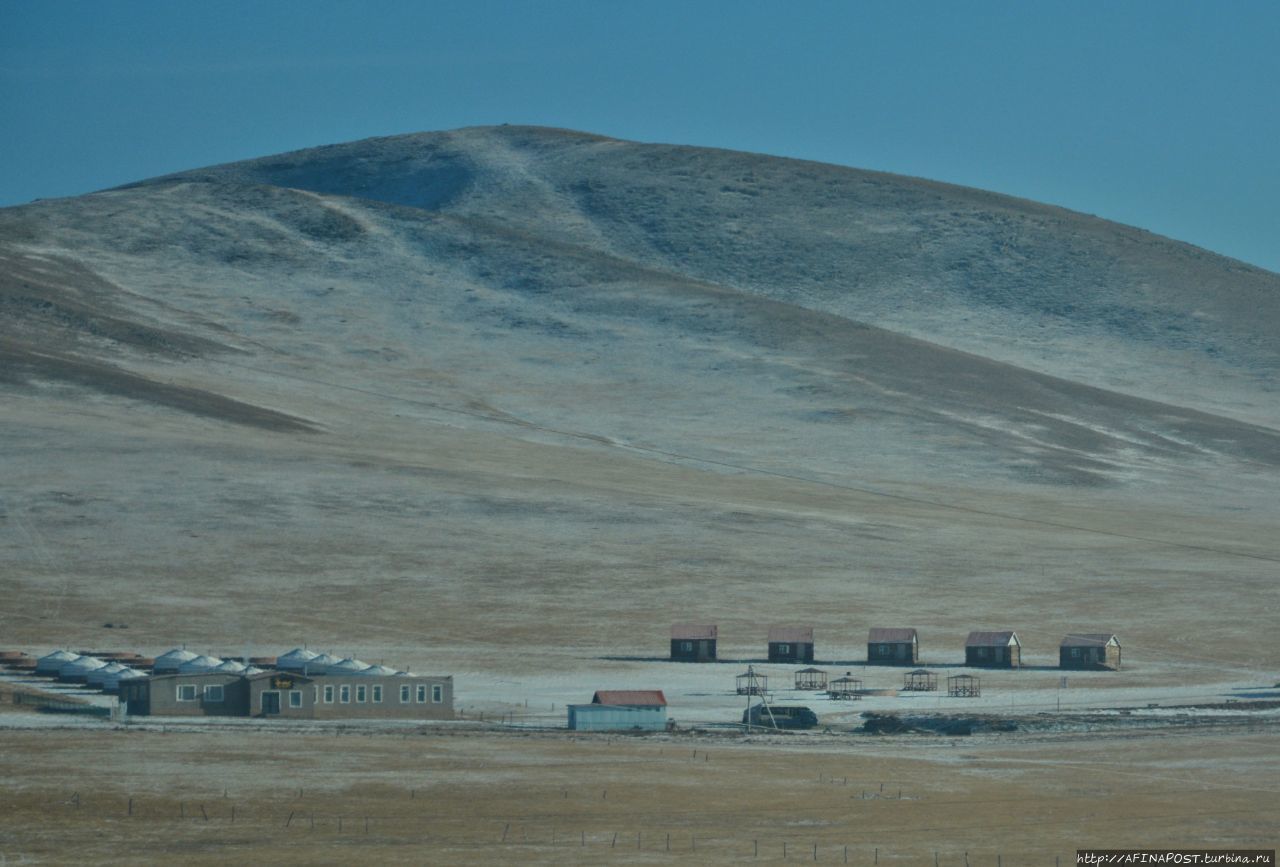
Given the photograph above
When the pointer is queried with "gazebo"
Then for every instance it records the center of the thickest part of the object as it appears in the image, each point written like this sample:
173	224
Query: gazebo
845	688
811	678
920	680
750	683
964	686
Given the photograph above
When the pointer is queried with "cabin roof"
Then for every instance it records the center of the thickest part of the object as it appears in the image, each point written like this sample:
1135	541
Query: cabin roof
890	635
992	639
630	697
791	634
693	631
1090	639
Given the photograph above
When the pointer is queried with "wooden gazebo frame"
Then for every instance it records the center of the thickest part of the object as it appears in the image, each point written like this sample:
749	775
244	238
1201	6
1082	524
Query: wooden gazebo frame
919	680
964	686
847	688
811	678
750	683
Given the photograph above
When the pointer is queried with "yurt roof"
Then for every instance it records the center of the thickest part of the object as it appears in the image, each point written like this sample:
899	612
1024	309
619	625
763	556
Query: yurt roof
200	663
377	671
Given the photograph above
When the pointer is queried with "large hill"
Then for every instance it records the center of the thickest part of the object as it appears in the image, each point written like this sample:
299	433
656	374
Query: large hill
509	385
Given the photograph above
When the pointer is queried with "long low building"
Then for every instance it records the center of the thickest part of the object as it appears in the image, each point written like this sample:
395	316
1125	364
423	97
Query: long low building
289	695
621	710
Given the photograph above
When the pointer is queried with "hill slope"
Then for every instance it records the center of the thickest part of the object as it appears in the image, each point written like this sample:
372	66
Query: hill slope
519	378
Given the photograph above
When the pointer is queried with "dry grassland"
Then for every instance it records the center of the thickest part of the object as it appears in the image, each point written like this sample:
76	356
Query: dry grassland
472	797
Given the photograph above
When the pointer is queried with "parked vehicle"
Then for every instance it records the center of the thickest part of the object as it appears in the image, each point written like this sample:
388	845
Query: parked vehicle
782	717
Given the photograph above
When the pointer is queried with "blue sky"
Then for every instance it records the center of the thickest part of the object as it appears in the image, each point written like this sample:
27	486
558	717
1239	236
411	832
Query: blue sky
1164	115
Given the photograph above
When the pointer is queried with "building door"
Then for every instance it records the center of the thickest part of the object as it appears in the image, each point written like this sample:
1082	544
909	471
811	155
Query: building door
271	702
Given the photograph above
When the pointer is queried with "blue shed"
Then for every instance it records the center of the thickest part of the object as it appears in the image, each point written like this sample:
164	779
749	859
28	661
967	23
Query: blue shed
620	710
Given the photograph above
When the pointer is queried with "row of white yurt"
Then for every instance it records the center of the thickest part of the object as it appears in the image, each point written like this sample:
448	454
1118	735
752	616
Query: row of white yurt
49	664
377	671
98	676
199	665
112	681
79	668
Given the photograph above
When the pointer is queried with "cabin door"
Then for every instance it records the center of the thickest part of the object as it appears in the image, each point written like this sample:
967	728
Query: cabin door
271	702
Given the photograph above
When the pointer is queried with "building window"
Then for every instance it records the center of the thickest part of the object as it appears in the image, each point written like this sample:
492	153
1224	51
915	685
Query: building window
295	698
186	692
437	693
1075	653
404	694
377	694
982	653
422	693
315	695
784	649
328	694
344	694
884	650
213	693
686	646
362	693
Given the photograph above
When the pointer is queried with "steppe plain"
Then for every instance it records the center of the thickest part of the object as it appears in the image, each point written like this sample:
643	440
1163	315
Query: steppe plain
507	402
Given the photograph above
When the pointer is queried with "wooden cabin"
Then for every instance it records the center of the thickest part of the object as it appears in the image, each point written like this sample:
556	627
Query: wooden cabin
790	644
993	650
1097	651
693	642
893	647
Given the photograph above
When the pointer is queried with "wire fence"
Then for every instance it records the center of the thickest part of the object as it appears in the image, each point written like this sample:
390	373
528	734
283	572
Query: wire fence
410	819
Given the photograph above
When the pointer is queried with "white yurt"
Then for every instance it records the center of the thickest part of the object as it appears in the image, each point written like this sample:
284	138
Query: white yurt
376	671
49	665
347	666
321	663
111	683
98	676
78	669
253	669
296	659
167	663
231	666
199	665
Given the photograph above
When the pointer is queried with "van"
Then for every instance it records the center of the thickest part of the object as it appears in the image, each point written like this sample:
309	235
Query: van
782	717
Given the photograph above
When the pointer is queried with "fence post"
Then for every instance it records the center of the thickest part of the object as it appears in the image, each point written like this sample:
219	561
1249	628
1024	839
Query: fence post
131	806
289	821
203	813
615	840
